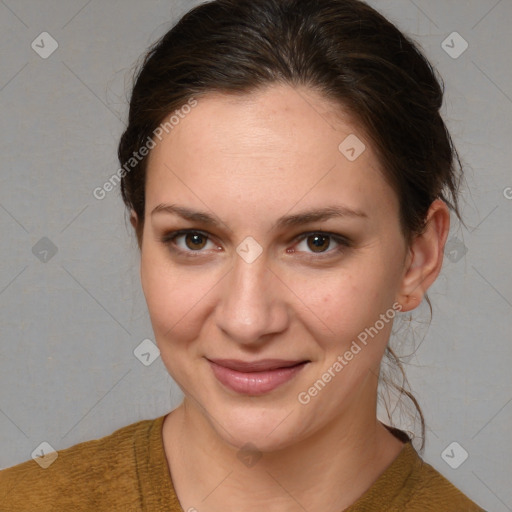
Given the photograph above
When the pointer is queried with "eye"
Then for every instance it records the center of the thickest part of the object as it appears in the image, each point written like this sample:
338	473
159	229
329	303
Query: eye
188	241
315	244
321	243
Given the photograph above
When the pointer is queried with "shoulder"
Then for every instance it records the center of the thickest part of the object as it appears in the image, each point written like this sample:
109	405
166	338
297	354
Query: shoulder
430	490
92	475
410	484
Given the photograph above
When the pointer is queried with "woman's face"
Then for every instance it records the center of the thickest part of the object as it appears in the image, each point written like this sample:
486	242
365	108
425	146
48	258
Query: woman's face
294	253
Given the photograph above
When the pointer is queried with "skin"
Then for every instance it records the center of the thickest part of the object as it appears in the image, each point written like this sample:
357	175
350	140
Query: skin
248	160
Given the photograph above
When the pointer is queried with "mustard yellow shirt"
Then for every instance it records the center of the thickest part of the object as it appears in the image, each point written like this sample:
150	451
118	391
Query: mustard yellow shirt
127	471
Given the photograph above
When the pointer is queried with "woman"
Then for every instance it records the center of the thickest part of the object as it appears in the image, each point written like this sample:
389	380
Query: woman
289	180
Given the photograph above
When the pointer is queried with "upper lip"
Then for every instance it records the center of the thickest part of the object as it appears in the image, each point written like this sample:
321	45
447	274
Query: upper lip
255	366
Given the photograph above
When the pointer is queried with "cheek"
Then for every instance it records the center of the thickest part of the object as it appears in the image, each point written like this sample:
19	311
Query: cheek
342	304
176	304
173	298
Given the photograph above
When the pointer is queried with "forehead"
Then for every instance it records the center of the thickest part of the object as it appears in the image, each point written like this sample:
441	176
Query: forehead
268	150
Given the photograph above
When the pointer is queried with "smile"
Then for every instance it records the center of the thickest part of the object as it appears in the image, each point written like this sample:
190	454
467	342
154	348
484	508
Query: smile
254	378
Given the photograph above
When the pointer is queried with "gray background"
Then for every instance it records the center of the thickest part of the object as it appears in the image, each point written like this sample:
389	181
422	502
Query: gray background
70	321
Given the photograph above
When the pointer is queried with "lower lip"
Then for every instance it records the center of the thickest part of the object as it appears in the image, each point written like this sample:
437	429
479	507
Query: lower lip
254	383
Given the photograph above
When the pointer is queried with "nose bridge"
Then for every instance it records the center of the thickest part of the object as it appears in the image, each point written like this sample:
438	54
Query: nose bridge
250	305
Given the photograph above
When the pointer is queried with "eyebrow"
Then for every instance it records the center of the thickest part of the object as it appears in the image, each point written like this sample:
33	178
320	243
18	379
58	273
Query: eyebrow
305	217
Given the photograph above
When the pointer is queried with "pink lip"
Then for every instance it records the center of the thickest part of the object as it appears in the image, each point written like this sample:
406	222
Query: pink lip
254	378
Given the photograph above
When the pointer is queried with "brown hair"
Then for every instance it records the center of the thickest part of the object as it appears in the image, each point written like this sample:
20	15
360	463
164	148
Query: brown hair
342	48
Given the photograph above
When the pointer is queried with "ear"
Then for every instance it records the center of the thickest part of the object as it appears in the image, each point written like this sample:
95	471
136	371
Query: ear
425	257
133	219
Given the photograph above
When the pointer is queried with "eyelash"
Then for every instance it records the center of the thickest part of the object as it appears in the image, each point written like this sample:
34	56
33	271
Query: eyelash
343	243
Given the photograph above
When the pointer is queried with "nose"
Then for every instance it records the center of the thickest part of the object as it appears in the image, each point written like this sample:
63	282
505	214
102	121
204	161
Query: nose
252	303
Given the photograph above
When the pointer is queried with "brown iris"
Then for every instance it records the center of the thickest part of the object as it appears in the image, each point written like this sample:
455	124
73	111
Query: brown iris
195	240
318	243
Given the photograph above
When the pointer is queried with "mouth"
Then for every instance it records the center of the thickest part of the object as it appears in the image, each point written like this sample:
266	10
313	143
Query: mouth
255	377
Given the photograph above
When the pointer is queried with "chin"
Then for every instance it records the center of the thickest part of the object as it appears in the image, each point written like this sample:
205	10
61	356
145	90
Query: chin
267	428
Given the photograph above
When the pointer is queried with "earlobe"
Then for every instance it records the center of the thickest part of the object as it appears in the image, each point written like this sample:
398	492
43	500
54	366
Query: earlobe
425	257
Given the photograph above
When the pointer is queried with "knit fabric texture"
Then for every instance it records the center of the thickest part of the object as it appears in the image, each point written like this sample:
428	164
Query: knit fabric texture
127	471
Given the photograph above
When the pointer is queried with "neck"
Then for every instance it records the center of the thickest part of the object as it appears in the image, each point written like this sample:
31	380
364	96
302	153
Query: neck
329	470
